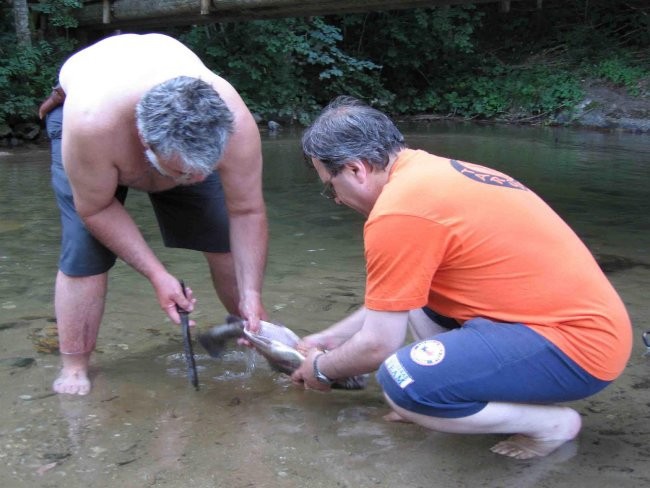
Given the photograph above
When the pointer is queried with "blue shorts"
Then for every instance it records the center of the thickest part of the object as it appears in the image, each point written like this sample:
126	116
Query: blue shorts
190	217
456	373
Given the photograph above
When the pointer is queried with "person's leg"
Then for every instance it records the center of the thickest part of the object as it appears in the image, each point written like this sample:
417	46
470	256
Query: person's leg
489	377
224	279
423	323
79	306
81	282
541	428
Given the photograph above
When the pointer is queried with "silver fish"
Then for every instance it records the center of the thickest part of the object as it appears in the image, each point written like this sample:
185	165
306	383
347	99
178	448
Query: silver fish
273	341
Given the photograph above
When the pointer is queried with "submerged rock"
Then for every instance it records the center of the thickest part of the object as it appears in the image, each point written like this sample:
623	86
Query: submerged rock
17	362
45	339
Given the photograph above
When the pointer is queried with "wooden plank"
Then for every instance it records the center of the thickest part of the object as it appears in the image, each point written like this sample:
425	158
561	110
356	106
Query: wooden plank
147	14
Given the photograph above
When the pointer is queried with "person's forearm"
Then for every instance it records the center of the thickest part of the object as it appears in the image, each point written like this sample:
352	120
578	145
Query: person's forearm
356	356
249	244
380	334
115	228
341	331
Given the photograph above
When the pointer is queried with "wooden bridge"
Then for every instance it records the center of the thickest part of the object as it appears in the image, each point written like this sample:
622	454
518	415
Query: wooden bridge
146	14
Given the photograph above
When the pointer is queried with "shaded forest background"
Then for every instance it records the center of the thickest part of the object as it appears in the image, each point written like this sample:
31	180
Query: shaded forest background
469	61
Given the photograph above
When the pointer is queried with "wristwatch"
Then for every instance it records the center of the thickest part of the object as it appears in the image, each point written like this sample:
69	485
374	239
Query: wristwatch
318	374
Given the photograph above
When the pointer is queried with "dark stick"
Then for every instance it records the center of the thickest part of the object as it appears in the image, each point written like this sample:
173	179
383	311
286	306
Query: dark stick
187	344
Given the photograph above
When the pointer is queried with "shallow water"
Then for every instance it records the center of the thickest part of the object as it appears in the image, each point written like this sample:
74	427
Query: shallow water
144	425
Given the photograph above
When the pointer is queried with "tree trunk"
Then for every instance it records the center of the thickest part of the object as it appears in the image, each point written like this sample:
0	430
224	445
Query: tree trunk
21	22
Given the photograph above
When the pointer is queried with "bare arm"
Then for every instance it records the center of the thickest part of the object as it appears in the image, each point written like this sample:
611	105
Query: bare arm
335	335
94	181
241	175
381	335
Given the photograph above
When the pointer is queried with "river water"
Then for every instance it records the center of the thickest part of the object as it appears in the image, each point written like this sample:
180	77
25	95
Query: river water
144	425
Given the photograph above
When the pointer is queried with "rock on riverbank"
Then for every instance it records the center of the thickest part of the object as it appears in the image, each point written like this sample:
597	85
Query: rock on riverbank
608	107
604	107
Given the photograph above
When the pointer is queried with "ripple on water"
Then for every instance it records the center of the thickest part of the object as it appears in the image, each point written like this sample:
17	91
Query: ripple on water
232	365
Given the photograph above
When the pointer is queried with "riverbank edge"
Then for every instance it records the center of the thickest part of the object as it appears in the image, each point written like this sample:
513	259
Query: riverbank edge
604	107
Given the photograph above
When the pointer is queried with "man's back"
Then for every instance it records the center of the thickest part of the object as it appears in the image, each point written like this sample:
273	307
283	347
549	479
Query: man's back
490	248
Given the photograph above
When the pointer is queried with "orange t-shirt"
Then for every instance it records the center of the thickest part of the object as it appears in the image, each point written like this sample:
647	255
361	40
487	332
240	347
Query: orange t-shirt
468	242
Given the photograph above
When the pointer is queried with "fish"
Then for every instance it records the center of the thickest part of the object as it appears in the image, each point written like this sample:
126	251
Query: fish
275	342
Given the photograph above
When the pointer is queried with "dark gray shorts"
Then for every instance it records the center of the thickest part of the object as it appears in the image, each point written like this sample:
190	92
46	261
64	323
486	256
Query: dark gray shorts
190	217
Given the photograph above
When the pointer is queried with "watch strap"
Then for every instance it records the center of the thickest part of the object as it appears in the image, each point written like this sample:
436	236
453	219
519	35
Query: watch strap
318	374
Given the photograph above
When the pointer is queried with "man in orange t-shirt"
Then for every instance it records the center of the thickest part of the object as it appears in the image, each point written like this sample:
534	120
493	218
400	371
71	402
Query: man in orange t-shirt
510	311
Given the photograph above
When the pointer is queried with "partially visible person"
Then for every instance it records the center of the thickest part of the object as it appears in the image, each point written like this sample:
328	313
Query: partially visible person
510	312
143	112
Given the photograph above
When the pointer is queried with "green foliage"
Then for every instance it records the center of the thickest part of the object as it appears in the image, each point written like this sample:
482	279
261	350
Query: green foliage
511	94
621	72
464	60
58	11
283	68
27	74
417	49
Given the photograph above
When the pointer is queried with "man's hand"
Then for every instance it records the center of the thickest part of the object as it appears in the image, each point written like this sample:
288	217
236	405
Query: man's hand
325	341
170	294
304	375
252	311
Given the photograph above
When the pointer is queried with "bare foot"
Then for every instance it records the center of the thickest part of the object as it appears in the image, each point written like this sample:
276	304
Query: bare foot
73	378
521	446
393	416
73	382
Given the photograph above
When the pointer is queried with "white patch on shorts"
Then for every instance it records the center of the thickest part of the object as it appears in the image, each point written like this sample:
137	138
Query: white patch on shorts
397	371
428	353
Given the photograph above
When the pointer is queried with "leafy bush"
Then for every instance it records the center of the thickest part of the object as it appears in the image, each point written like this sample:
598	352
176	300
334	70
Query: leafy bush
27	76
28	73
58	11
463	60
283	68
621	72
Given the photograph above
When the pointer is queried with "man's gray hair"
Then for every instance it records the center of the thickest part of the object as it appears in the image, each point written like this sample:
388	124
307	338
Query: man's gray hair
348	129
185	117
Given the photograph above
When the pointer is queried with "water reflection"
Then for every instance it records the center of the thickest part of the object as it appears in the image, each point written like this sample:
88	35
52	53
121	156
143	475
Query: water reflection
143	424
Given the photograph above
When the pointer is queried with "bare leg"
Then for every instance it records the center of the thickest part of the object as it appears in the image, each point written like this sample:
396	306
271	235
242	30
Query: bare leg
421	326
79	306
224	279
540	429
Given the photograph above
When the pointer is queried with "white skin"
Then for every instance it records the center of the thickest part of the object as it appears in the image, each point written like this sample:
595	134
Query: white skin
103	149
361	342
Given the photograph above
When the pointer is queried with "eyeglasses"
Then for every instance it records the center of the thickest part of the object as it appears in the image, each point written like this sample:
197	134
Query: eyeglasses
328	190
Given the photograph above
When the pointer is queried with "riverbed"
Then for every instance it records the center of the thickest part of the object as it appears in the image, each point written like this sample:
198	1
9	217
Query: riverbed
143	424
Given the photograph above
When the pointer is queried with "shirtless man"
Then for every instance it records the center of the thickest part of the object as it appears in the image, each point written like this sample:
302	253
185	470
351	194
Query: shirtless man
509	310
143	112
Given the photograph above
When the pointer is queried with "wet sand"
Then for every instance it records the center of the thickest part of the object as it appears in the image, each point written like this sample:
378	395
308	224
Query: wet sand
143	424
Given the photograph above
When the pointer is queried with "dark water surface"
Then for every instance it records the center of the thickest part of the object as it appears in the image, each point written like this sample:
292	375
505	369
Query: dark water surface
144	425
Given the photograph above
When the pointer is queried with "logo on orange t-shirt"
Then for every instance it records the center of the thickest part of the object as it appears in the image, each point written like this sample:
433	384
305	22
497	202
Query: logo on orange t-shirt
486	175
